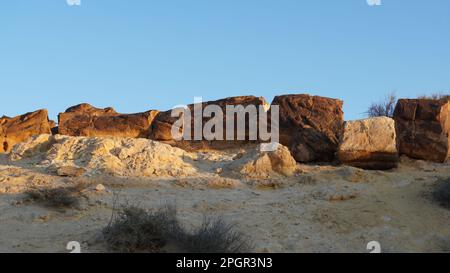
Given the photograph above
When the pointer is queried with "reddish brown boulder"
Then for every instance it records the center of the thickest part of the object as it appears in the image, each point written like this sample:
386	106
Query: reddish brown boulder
163	122
86	120
310	126
20	128
161	128
423	127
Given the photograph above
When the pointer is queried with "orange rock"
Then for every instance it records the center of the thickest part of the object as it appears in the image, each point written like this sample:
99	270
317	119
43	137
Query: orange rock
20	128
86	120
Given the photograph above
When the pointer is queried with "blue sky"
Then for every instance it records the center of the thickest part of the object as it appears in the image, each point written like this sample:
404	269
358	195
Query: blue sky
153	54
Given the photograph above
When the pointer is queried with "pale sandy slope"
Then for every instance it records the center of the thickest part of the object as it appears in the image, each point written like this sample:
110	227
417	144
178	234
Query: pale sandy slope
320	209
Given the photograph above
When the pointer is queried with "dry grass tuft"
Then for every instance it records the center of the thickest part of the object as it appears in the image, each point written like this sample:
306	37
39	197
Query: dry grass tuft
61	197
436	96
133	229
215	236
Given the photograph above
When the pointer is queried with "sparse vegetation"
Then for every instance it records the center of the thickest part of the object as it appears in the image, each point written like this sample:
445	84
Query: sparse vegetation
384	108
60	197
215	236
134	229
436	96
441	193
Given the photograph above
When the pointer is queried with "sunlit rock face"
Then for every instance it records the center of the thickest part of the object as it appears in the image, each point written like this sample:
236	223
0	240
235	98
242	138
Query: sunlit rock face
260	164
86	120
131	157
369	144
20	128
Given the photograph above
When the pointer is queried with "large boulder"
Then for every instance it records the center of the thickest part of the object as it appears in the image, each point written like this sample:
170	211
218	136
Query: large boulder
161	128
369	144
20	128
310	126
86	120
164	122
423	127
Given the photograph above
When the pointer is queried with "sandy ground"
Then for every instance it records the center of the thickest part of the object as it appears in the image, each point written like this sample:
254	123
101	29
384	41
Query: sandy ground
320	209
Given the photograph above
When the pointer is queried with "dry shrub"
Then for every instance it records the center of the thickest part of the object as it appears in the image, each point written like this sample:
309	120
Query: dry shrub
60	197
384	108
215	236
436	96
133	229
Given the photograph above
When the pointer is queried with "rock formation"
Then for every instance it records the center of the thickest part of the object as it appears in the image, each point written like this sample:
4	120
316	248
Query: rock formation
64	155
163	122
260	164
423	128
53	127
369	144
310	126
21	128
85	120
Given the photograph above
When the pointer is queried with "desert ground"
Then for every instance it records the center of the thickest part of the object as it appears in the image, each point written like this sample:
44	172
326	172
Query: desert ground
315	208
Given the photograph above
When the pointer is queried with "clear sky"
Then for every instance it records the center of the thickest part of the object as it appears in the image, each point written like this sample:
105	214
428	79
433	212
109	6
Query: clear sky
137	55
